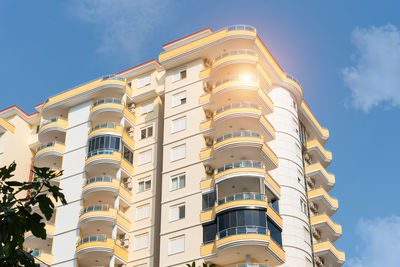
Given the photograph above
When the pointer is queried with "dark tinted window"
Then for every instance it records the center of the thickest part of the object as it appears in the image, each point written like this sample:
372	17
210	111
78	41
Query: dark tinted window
104	142
241	217
275	231
208	200
209	232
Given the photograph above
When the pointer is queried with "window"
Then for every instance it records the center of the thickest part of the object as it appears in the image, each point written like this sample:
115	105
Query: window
209	199
144	185
179	75
209	232
143	81
147	108
179	99
145	156
177	244
143	212
141	241
146	132
178	181
275	231
128	154
104	142
178	152
178	124
177	212
303	206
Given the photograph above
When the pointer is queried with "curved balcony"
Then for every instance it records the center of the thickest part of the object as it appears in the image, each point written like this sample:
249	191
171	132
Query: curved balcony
103	156
311	123
329	253
52	129
318	152
94	89
50	154
105	128
235	56
325	203
327	228
237	110
320	176
109	108
242	138
101	212
233	244
97	250
100	183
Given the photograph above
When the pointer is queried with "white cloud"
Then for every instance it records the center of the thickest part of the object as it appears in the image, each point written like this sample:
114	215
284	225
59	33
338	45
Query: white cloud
124	24
379	244
374	79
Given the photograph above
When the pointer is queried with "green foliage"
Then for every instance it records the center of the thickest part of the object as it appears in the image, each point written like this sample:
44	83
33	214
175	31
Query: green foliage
204	265
16	216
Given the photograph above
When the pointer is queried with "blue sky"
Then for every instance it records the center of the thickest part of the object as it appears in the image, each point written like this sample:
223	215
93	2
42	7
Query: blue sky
345	53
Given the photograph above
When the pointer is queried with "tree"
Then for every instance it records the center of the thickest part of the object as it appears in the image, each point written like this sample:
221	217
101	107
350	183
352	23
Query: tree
16	216
204	265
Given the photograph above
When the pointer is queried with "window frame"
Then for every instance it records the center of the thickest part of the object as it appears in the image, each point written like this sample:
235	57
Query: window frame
172	159
142	153
178	177
178	101
183	237
175	120
178	207
146	129
141	235
147	104
145	182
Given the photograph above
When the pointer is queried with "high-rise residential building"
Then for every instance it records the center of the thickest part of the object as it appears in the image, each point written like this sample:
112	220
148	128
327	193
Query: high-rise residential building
208	154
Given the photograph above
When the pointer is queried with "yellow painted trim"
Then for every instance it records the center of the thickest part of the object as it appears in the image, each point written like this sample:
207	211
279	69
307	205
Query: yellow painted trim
114	183
315	143
239	237
120	251
243	169
109	213
117	129
207	249
204	125
236	83
57	147
205	73
265	75
275	216
207	183
125	193
277	249
235	58
321	131
127	166
205	98
327	245
238	110
202	41
239	139
81	89
121	220
59	122
206	153
323	218
129	115
127	139
318	166
207	215
267	125
7	125
108	243
321	192
272	183
116	156
45	257
107	105
266	99
267	150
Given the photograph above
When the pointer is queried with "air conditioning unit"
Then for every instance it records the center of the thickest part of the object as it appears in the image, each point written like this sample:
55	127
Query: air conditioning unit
209	170
209	141
307	158
122	237
125	243
209	114
132	107
310	182
207	87
316	234
207	63
318	261
313	207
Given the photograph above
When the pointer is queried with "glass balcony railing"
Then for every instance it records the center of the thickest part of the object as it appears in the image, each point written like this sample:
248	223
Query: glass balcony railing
241	196
241	27
98	179
292	78
100	152
92	238
48	121
47	145
112	77
243	230
237	105
237	134
241	164
103	125
236	52
240	77
100	207
107	100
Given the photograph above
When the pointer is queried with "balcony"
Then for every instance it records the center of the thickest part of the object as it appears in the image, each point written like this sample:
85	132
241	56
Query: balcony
32	241
233	244
96	250
43	258
321	177
105	128
326	203
315	129
101	216
108	157
318	152
327	228
329	253
52	129
110	109
235	56
106	185
50	155
237	110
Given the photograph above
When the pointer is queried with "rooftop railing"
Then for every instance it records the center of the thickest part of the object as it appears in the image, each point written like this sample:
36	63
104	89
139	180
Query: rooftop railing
292	78
241	196
237	105
237	134
241	27
241	164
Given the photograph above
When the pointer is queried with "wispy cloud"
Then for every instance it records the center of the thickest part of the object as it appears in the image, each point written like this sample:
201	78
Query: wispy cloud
124	24
374	79
379	244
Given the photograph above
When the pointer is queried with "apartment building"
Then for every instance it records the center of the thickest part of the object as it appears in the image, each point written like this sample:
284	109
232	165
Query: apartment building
208	154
